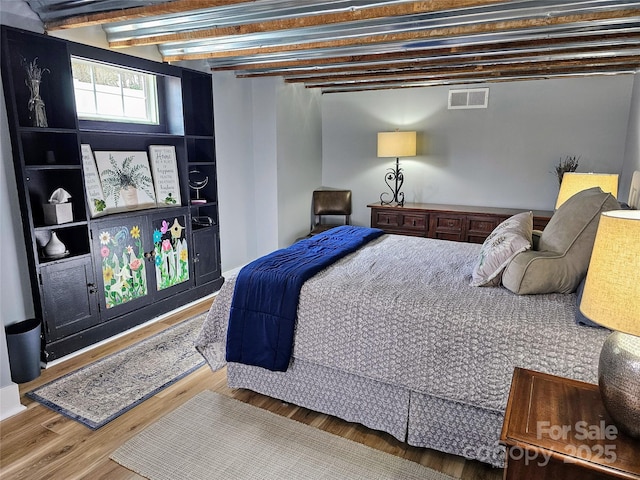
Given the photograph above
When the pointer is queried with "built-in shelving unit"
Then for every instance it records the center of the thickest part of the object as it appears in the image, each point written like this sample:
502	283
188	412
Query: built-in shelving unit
70	291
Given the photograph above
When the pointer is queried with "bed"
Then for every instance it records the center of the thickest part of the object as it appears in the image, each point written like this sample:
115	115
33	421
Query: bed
394	337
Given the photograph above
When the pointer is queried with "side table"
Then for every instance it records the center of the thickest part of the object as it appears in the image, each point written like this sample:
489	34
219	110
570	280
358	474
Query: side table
557	428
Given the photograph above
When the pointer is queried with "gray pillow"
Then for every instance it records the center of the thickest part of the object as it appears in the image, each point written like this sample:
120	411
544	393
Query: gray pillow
564	248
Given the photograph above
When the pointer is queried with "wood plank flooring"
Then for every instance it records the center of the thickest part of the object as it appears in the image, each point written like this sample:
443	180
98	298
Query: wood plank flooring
41	444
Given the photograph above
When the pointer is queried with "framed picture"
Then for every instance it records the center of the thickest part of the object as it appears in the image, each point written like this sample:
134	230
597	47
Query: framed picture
92	185
126	180
165	174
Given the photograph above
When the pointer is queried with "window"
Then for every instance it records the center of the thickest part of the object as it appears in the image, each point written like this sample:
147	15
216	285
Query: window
114	94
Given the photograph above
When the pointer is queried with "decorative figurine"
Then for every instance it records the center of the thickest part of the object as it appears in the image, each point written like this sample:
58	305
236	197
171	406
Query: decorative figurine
197	181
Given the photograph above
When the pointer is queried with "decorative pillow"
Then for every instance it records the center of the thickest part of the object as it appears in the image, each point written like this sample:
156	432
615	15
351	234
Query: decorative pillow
564	250
507	240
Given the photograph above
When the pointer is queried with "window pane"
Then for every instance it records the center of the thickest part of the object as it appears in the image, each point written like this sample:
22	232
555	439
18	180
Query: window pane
111	93
109	104
85	102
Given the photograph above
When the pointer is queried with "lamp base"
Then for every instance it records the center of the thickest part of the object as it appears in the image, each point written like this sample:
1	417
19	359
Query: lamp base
619	380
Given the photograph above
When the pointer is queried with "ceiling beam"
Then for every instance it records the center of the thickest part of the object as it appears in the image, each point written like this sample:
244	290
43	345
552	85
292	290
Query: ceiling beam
524	67
471	77
126	14
359	87
352	15
601	41
415	62
470	29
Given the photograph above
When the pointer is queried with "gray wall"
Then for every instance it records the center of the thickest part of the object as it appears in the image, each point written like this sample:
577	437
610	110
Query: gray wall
269	160
299	168
632	150
501	156
15	294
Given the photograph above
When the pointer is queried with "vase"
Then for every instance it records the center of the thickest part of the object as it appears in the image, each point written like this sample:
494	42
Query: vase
37	111
129	196
54	247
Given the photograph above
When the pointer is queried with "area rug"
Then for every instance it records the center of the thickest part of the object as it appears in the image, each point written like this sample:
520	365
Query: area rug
97	393
215	437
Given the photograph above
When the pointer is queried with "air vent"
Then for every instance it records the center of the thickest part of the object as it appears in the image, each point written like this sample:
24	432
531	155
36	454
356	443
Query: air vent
468	98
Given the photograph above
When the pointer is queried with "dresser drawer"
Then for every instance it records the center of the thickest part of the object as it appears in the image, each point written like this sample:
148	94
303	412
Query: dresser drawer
447	227
385	219
415	221
448	223
479	228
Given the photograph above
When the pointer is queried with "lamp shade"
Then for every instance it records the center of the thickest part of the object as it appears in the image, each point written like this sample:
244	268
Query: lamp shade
396	144
573	183
611	295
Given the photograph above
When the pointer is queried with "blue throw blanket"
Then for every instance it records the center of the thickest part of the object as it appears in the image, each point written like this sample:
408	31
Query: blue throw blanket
265	298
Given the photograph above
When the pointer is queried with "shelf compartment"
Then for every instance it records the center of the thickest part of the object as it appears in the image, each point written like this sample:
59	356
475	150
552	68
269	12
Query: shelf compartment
56	86
208	192
41	183
204	216
47	148
74	236
197	99
201	150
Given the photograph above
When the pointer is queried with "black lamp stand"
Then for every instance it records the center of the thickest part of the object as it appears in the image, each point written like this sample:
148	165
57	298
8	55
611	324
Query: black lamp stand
394	175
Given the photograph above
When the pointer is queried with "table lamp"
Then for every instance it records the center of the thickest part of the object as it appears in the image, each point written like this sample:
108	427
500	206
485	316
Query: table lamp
611	297
395	144
573	183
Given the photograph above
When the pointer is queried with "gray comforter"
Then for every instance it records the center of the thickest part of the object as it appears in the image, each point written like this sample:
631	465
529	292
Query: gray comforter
401	311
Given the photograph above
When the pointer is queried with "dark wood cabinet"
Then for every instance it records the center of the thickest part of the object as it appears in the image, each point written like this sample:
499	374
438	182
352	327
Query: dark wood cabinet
446	222
69	299
80	295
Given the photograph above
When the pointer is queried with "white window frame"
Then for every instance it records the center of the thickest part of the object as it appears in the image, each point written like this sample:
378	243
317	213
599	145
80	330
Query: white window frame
150	89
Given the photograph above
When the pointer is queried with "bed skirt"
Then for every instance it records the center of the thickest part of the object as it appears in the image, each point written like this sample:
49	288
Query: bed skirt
415	418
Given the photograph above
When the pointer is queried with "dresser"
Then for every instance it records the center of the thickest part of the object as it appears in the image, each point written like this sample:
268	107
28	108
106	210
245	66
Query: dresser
447	222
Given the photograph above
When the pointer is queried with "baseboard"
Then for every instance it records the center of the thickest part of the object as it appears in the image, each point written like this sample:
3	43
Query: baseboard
10	401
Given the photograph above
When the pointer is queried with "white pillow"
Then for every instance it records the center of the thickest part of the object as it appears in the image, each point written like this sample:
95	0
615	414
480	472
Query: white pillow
507	240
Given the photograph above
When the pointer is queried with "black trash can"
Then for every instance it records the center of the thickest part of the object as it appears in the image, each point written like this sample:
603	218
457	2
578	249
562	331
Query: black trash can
23	344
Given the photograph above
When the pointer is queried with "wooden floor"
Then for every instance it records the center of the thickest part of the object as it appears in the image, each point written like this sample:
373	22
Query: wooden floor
41	444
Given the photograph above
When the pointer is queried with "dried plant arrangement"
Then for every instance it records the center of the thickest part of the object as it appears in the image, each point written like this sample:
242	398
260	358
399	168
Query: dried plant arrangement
569	164
37	112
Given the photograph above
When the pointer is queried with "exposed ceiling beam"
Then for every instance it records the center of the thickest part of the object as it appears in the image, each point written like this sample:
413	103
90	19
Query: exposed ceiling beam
490	70
470	77
126	14
306	21
408	36
358	87
414	59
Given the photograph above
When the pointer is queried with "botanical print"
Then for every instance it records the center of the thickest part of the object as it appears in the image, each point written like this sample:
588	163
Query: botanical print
171	253
123	269
126	180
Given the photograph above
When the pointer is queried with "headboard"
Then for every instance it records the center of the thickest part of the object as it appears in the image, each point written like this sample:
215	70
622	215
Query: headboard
634	191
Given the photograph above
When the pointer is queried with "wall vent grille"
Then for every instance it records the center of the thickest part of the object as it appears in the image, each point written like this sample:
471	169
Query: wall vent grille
468	98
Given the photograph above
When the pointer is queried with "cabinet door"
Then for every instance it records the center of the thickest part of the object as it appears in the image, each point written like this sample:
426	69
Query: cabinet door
206	259
69	297
124	256
171	252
